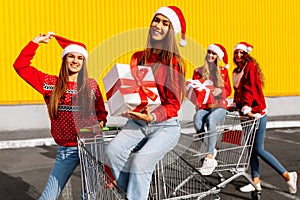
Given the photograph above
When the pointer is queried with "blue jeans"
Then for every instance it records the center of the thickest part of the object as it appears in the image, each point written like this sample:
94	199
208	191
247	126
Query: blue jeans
211	118
134	152
259	152
66	161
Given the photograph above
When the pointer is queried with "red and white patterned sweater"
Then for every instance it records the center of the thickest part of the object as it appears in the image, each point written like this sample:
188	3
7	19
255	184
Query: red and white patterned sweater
65	127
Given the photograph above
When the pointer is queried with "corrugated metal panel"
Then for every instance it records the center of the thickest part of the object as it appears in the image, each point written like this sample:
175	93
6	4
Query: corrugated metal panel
113	30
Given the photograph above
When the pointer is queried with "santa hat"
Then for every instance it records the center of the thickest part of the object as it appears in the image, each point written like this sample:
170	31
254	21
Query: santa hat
244	46
220	51
70	46
176	17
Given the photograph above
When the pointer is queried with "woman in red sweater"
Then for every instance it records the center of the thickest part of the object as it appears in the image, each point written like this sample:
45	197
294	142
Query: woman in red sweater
74	101
212	112
149	135
248	81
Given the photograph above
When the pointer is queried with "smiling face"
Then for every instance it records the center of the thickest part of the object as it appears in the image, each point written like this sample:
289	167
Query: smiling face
160	26
74	62
239	55
211	56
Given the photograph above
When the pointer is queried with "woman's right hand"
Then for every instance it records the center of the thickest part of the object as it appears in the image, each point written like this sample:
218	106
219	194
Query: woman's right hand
43	38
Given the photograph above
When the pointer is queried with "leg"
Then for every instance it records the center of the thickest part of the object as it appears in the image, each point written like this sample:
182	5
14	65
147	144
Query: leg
66	161
258	150
119	151
215	117
200	119
162	138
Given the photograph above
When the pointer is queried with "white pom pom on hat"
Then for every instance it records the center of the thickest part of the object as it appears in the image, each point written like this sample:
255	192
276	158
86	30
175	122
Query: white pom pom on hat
175	15
70	46
244	46
220	51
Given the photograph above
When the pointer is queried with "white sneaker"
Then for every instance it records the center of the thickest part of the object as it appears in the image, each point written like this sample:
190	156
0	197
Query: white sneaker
250	188
292	183
208	166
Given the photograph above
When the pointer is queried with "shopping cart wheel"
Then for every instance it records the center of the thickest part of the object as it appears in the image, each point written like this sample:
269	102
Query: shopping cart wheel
256	195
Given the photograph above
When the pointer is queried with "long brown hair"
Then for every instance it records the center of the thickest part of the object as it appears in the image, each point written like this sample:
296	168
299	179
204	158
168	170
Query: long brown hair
167	53
85	96
215	73
248	58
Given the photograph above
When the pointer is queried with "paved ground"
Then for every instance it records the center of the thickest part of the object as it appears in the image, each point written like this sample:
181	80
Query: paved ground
24	171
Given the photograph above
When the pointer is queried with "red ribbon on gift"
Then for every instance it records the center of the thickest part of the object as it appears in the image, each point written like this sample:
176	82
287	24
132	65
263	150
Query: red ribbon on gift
135	85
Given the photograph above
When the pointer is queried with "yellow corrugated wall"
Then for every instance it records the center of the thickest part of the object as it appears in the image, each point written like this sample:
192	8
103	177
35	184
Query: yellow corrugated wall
113	30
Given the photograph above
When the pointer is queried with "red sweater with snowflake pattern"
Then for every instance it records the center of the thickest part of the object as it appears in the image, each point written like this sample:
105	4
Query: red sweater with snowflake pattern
64	128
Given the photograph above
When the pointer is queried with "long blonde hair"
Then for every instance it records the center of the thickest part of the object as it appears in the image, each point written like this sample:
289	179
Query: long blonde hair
85	96
206	73
167	53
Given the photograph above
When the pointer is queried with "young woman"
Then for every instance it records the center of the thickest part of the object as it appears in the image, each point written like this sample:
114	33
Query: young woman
248	81
74	101
149	135
212	113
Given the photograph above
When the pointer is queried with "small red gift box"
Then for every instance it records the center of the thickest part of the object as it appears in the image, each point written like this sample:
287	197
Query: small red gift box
199	92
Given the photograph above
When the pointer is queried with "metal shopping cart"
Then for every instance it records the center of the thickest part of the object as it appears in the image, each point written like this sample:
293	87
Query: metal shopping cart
234	142
98	182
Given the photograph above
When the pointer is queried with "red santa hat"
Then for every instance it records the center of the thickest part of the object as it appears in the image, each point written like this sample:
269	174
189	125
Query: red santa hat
70	46
176	17
244	46
220	51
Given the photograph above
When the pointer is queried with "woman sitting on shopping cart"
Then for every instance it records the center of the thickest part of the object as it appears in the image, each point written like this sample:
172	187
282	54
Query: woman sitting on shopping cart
148	136
212	112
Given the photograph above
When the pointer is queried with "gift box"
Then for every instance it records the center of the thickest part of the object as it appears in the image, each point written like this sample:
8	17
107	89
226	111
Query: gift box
199	91
130	88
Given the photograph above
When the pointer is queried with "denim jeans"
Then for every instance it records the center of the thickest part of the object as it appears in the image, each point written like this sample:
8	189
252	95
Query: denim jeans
66	161
134	152
259	152
211	118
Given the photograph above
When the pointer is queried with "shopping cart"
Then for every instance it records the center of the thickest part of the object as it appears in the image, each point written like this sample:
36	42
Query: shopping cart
97	180
234	142
174	178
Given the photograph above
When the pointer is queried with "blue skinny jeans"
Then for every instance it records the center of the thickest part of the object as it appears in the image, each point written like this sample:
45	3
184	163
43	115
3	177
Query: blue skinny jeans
259	152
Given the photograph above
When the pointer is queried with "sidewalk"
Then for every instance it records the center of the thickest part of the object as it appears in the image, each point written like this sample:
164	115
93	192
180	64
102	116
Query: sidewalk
42	137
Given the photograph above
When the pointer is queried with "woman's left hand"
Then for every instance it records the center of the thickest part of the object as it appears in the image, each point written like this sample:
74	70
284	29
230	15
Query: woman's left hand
144	115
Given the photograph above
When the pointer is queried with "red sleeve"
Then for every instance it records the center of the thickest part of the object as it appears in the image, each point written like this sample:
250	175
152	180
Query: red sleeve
170	95
249	84
100	110
23	67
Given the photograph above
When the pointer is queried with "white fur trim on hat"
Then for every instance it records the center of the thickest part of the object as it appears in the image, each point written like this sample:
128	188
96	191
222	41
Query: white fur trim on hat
172	16
75	48
243	47
217	50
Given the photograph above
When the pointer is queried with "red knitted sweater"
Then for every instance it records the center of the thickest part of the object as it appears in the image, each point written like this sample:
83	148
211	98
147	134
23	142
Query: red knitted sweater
65	127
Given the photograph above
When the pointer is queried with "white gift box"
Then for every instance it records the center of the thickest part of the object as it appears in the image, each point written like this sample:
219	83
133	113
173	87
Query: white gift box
128	89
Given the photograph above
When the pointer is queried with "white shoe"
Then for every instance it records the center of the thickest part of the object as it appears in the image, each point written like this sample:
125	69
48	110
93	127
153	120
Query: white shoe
292	183
250	188
208	166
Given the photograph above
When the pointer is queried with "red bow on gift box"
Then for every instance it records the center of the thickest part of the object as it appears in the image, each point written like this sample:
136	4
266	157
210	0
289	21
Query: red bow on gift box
135	85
